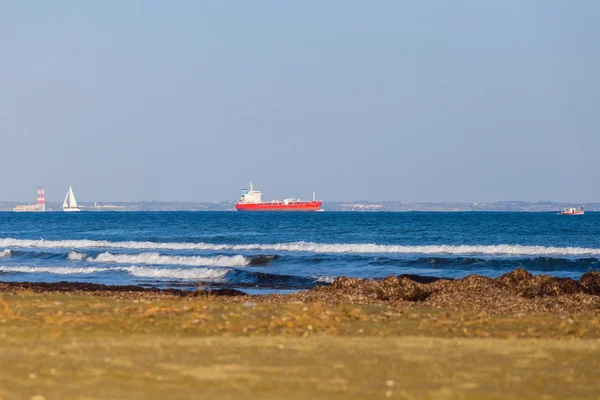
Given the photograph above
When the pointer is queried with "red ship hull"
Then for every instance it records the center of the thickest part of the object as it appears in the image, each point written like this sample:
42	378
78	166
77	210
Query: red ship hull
280	206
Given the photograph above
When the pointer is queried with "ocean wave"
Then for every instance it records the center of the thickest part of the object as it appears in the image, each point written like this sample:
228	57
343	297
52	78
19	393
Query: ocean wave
218	276
47	255
466	261
156	258
500	249
146	272
75	256
204	274
55	270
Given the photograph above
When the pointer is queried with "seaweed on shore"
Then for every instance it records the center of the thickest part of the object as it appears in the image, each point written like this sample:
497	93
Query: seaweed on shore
516	291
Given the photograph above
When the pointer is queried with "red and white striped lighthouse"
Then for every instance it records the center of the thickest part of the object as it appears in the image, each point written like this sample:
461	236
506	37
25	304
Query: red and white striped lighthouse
41	199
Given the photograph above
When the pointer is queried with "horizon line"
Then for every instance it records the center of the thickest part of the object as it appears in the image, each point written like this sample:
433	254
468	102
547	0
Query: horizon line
331	201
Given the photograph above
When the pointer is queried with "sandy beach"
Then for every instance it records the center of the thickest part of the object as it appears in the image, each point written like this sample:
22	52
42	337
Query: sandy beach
515	336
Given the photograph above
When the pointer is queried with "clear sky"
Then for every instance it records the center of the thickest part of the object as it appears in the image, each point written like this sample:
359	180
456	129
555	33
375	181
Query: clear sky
384	100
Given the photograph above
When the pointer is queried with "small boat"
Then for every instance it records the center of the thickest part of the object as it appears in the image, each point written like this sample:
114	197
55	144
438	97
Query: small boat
573	211
70	204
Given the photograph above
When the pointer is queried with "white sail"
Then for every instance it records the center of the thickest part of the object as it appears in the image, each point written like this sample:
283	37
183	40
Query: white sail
72	201
65	203
70	204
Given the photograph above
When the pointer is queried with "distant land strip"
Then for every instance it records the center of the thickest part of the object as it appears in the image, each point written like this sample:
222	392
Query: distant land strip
361	206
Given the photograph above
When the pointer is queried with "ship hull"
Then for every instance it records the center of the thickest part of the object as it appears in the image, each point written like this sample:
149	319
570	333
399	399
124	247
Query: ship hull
572	213
296	206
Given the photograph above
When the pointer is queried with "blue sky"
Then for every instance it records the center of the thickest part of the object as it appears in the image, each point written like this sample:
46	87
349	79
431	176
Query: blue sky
386	100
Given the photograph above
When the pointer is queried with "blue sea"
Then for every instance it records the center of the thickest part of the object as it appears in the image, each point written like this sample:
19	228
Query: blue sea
281	252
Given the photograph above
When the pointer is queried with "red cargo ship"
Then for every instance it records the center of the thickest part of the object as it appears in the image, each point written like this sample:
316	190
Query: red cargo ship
251	201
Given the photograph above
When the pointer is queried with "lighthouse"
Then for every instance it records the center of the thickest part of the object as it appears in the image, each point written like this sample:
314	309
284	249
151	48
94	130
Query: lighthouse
41	199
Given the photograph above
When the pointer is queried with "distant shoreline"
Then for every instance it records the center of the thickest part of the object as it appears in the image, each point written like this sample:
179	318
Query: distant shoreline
353	206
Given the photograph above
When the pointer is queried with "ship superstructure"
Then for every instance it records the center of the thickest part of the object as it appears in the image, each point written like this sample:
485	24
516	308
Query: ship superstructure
251	200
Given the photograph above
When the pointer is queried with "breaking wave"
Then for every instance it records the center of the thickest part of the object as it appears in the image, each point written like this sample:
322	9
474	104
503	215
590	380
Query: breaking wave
54	270
218	276
75	256
45	255
146	272
156	258
206	274
501	249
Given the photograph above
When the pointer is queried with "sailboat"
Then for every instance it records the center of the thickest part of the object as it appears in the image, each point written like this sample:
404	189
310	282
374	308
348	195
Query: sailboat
70	204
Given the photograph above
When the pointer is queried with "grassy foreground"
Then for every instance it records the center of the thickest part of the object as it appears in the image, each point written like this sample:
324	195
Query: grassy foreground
64	346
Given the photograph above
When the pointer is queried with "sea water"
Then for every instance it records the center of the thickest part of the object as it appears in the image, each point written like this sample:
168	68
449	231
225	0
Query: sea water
266	252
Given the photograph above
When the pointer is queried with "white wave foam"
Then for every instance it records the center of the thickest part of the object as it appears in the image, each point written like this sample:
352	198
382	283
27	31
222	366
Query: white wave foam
155	258
206	274
325	279
91	244
75	256
55	270
501	249
5	253
210	274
